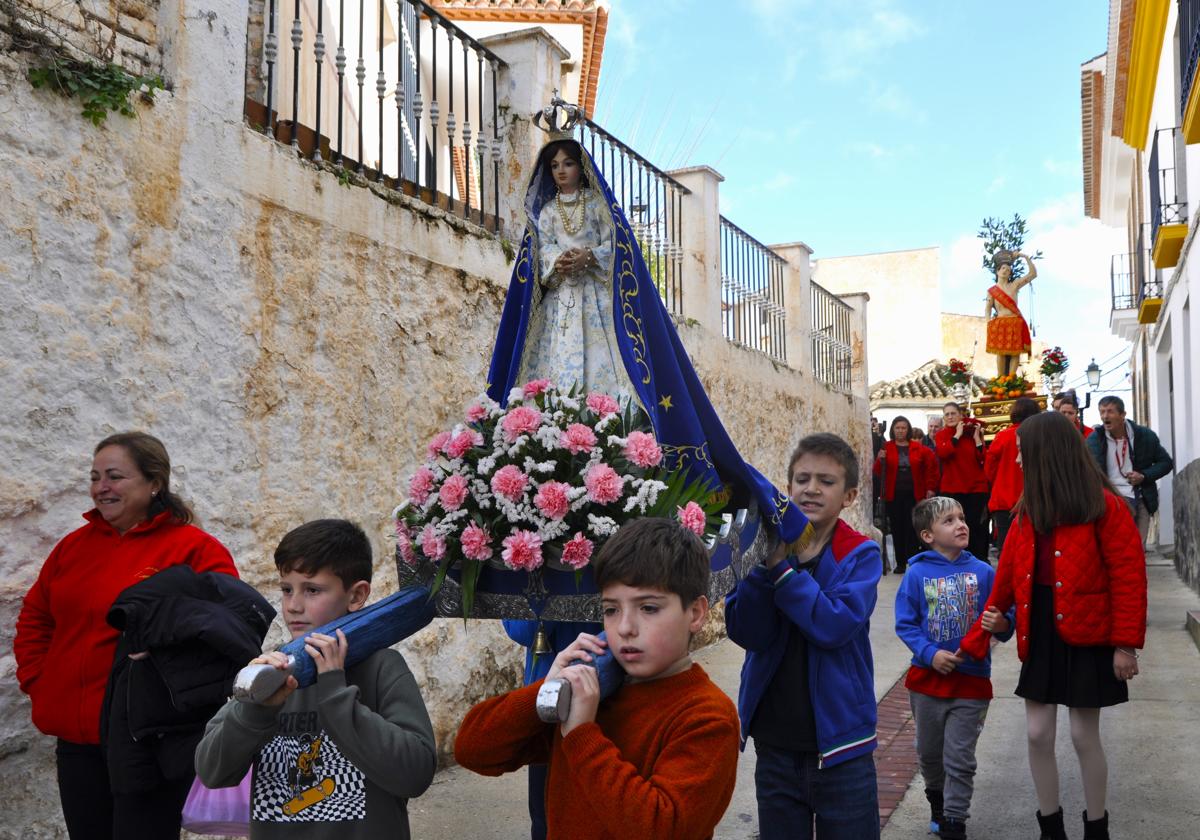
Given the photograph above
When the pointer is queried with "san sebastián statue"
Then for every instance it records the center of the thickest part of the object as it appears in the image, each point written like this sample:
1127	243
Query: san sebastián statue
1007	331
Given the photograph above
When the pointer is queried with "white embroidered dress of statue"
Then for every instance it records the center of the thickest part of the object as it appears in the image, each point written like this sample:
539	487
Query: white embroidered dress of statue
571	337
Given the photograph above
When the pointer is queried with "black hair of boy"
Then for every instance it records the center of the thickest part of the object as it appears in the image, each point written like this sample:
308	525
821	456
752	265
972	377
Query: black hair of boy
825	443
337	545
929	511
655	553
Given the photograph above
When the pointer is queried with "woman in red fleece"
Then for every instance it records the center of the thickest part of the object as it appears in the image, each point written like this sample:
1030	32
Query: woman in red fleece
64	646
1074	567
910	475
1002	470
959	447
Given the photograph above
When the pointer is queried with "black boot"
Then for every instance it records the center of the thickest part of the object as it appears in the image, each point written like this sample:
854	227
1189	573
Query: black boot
1095	829
935	809
1052	826
953	830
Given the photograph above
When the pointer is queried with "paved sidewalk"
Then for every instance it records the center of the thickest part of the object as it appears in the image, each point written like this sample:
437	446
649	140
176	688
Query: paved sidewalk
1152	743
1153	746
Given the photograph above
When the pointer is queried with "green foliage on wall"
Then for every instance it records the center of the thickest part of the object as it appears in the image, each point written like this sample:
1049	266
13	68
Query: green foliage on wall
100	88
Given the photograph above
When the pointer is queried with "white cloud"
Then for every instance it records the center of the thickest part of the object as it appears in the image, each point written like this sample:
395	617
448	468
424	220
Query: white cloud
850	49
996	185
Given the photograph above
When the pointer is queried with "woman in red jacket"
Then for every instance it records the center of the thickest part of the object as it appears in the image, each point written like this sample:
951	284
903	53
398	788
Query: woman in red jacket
910	475
64	647
959	447
1004	472
1075	569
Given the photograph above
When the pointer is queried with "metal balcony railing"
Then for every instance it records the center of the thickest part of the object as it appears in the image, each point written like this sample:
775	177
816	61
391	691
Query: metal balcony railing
390	89
1121	281
653	203
1189	49
831	338
1168	192
752	311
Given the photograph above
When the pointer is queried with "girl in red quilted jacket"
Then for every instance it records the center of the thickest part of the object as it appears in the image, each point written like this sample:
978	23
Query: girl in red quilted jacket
1074	568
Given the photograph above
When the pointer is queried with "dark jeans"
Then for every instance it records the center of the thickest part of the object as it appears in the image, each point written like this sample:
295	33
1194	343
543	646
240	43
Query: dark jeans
792	791
93	812
537	801
974	507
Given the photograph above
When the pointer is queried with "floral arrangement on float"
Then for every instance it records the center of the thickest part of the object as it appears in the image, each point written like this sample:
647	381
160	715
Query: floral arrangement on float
956	373
1007	386
541	483
1054	365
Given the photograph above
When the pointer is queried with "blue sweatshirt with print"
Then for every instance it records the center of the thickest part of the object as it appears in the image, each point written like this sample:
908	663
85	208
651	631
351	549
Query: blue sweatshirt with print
938	602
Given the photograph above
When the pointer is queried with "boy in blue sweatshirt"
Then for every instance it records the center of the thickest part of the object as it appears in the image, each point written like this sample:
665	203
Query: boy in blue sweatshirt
807	696
943	592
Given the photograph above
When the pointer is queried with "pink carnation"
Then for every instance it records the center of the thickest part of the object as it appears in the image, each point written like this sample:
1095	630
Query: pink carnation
437	444
602	404
453	492
552	499
509	482
476	543
643	450
522	550
603	484
476	413
404	543
577	552
522	420
420	485
578	438
535	387
691	516
462	442
433	546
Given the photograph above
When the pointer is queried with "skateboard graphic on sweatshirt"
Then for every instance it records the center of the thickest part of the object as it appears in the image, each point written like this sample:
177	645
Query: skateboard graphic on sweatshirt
303	777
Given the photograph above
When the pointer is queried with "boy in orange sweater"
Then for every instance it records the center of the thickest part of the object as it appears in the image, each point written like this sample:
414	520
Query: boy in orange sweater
658	758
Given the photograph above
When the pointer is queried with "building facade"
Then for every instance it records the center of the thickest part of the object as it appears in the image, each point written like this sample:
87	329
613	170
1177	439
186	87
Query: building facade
1140	126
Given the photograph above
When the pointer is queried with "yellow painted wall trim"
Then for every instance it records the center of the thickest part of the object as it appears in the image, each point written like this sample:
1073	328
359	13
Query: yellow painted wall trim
1191	114
1149	25
1168	244
1148	311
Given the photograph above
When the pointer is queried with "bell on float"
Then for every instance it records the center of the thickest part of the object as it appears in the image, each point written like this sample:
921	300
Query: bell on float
541	645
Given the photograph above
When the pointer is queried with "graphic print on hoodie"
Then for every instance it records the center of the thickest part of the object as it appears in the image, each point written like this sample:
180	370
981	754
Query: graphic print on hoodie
303	777
952	604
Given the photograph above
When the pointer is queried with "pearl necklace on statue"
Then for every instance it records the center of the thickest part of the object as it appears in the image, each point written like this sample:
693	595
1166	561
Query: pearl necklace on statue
570	224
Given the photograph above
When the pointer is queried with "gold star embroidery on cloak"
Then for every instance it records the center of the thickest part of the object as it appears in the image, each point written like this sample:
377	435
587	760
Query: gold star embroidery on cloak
665	402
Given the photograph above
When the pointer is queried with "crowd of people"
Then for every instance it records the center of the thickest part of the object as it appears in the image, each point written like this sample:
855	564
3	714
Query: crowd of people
985	477
135	727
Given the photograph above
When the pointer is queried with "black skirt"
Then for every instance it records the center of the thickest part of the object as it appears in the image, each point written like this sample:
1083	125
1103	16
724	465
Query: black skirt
1062	674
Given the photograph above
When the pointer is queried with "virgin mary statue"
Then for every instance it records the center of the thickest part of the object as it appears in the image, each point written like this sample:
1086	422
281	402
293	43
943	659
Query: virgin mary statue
582	310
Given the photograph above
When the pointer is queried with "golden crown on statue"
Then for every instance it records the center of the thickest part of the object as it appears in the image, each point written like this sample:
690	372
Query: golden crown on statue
559	118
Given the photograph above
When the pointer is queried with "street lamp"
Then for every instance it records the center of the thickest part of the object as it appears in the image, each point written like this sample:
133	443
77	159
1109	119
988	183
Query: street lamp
1093	379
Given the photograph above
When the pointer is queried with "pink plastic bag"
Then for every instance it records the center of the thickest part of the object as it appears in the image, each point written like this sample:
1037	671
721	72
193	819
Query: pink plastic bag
221	811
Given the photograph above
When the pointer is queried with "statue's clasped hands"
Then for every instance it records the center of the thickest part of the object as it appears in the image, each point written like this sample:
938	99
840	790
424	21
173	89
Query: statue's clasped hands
574	261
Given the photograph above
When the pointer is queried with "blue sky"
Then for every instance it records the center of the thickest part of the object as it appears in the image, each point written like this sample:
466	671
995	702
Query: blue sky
882	125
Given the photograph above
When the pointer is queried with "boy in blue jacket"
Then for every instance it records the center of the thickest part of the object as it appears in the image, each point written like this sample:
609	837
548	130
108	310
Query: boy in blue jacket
807	696
942	594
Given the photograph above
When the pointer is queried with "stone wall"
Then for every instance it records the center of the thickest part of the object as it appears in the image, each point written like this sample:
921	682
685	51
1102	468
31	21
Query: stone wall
1185	499
122	32
294	340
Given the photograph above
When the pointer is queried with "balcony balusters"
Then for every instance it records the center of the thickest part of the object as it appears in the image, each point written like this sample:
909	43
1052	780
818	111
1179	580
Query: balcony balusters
831	317
752	307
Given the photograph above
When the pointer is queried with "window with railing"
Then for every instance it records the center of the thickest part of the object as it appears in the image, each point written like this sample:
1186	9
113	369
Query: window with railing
390	89
1123	281
831	318
1189	49
653	203
1168	191
752	312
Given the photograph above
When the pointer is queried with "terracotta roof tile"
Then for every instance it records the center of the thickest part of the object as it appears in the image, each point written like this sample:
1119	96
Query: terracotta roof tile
924	383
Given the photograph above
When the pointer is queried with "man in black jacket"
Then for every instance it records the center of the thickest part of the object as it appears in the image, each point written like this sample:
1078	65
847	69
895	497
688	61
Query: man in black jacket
1133	459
